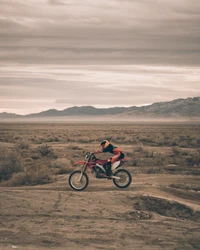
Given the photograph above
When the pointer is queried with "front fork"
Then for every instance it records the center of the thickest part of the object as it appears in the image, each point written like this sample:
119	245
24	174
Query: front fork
83	171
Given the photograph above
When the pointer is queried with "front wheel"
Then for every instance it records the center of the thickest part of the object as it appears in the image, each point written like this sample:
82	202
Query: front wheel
78	180
124	178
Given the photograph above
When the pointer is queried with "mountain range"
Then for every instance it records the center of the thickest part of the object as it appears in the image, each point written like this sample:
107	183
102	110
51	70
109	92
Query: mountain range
189	107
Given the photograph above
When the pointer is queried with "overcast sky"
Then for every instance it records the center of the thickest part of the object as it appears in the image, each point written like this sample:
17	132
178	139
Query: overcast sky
103	53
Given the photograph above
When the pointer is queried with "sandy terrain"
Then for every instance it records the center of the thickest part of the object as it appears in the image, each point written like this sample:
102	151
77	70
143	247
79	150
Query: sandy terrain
146	215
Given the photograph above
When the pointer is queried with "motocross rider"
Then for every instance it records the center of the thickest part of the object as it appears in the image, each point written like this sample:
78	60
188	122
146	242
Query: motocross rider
108	147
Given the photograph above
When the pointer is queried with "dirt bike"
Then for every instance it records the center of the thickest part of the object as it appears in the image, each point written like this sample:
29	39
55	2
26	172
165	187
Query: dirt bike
78	180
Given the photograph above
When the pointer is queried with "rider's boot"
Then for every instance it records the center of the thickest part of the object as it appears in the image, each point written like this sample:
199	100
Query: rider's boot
108	169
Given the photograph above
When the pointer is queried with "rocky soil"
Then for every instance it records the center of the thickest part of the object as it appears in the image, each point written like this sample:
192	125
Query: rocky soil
147	215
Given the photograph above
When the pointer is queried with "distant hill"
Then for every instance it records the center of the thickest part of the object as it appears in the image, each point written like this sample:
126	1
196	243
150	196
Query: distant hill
6	115
79	111
189	107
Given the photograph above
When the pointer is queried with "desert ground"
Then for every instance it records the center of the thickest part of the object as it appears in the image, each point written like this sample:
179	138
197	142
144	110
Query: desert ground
159	210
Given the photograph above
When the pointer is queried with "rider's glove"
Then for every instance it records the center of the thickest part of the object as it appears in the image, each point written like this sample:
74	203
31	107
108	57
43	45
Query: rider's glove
96	152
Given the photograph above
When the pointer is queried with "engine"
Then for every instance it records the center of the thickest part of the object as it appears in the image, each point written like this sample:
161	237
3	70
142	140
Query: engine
98	172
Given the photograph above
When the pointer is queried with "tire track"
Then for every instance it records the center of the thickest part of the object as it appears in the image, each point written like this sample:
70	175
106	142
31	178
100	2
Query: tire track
50	213
57	203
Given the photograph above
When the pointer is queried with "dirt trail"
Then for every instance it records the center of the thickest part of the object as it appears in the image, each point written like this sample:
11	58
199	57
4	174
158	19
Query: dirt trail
147	215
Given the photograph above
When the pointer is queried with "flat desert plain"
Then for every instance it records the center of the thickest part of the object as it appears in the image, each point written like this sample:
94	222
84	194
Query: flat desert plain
159	210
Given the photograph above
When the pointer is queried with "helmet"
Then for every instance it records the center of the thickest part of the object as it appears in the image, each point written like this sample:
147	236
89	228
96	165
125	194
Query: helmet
104	144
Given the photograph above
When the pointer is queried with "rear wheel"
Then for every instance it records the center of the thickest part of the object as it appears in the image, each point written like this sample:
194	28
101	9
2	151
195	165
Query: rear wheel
124	178
78	180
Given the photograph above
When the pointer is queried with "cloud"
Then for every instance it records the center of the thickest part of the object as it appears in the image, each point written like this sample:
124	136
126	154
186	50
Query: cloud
108	52
92	32
59	86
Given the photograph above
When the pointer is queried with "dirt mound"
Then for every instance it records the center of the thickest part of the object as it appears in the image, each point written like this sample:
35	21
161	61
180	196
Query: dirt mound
165	207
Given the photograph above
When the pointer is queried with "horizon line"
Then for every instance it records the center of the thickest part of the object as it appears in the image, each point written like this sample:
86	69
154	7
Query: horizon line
109	107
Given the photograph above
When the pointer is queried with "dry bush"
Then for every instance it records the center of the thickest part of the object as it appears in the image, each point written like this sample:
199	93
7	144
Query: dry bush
28	160
62	166
16	138
194	160
35	156
85	139
133	163
150	146
32	176
176	151
9	163
46	150
147	152
22	145
52	139
74	147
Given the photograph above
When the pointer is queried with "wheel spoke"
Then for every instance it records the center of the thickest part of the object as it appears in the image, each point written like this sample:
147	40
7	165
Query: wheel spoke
78	180
124	178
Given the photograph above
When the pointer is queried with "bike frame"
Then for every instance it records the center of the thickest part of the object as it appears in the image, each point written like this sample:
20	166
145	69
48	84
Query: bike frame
78	180
91	163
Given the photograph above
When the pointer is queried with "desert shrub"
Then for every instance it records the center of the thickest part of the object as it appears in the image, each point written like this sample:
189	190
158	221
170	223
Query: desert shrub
52	139
46	150
9	164
193	160
139	148
39	140
35	156
193	172
195	143
63	166
16	138
84	139
133	163
176	151
32	176
28	160
22	145
146	139
160	159
148	153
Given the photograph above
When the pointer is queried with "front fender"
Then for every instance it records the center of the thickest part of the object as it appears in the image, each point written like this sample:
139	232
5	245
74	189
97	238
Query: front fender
79	163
